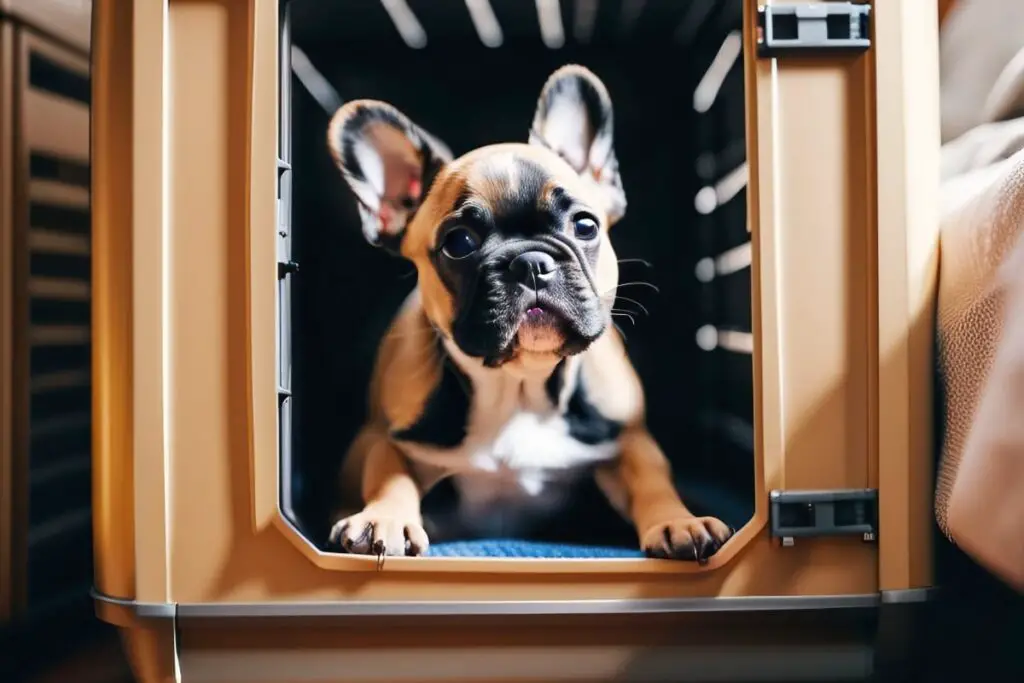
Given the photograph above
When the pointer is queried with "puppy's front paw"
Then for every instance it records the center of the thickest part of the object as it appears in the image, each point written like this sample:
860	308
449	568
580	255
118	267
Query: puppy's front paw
685	538
373	533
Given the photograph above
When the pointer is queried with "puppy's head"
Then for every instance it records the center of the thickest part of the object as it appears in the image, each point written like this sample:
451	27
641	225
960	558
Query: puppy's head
510	241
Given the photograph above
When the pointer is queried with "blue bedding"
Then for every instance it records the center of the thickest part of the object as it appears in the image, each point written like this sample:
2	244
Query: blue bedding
704	495
512	548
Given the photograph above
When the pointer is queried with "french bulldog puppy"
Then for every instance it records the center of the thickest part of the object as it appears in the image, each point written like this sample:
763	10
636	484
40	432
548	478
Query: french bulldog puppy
502	370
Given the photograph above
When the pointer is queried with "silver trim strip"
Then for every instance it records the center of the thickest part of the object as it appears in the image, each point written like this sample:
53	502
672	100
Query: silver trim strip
524	607
149	610
493	607
516	607
909	595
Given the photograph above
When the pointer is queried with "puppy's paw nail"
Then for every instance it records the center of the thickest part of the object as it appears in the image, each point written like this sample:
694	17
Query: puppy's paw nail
687	538
706	547
376	534
416	541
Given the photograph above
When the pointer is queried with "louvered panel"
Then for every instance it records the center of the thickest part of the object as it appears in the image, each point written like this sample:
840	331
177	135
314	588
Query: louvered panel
56	439
56	126
70	174
57	491
60	556
68	20
56	266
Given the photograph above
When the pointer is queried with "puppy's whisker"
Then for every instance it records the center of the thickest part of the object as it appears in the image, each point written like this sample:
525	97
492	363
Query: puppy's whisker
611	300
626	311
634	301
643	262
620	330
624	315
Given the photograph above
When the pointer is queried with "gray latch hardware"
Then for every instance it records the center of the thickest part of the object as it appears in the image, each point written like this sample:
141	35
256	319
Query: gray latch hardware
286	268
812	27
285	264
842	512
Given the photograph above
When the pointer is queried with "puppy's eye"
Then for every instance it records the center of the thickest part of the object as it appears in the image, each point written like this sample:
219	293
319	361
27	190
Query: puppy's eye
585	227
459	243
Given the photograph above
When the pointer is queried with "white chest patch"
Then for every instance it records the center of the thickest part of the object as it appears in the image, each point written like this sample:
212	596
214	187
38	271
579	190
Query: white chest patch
532	441
519	461
528	469
520	472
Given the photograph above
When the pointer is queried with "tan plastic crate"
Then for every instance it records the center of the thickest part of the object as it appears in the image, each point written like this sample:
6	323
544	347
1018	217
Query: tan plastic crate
193	557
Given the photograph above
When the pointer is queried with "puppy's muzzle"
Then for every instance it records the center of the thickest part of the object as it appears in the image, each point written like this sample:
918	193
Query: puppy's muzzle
533	269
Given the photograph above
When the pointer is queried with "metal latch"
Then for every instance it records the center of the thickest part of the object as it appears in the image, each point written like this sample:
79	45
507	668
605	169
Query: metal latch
843	512
285	264
286	268
812	27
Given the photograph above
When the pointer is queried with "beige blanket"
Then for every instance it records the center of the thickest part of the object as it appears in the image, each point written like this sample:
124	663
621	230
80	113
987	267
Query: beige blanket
980	491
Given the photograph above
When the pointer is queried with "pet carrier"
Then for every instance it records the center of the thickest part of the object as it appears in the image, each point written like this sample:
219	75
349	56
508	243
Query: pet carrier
781	168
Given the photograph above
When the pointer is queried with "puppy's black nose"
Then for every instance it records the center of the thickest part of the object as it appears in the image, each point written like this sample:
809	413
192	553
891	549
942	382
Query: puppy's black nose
533	268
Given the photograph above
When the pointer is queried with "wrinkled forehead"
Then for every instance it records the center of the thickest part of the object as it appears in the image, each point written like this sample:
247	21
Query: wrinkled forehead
512	187
505	184
508	182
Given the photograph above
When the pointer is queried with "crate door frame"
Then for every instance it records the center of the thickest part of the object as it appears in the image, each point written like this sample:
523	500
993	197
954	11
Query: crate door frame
815	382
267	512
801	366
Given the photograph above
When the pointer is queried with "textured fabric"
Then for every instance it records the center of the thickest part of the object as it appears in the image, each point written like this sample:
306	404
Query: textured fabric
978	503
593	530
986	504
510	548
981	148
983	213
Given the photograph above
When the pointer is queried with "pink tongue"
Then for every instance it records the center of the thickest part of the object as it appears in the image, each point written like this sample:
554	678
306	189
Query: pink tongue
534	312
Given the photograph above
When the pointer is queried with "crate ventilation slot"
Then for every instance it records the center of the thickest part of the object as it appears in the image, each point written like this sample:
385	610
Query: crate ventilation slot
59	293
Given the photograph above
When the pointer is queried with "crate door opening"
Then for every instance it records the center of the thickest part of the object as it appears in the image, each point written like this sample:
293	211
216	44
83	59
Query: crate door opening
470	74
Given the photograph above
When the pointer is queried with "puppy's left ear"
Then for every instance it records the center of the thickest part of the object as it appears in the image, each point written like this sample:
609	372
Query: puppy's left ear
389	163
574	119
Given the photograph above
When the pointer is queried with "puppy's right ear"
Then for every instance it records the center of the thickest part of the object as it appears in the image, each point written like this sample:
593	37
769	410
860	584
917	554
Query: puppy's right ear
574	119
388	161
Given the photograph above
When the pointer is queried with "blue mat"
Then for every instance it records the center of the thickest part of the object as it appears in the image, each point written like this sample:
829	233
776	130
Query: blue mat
511	548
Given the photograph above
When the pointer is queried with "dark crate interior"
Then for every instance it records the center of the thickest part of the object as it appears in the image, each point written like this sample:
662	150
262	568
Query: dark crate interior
675	76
